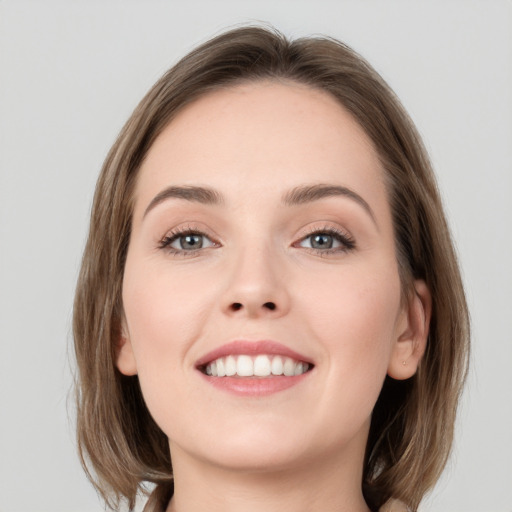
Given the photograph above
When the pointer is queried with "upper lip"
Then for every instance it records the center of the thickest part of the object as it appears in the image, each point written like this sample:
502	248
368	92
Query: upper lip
239	347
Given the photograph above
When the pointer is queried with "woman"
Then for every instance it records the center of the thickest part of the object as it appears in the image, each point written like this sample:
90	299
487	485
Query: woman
269	312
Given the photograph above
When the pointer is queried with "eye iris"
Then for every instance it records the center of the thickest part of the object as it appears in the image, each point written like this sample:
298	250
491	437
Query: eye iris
191	242
321	241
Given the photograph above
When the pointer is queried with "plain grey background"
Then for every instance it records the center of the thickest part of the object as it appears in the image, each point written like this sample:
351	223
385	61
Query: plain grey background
70	74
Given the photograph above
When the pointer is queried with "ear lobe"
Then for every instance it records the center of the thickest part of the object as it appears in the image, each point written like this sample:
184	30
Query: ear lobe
412	338
125	358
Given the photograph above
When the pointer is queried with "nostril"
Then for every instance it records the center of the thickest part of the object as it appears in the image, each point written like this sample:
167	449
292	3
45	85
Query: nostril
237	306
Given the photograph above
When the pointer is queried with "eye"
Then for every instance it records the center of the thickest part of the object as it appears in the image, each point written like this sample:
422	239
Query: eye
189	242
327	241
186	242
320	241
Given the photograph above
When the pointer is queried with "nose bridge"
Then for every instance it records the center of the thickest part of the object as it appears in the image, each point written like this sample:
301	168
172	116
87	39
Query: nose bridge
256	281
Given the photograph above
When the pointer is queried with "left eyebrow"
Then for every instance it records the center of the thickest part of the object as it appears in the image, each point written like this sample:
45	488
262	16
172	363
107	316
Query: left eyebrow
204	195
309	193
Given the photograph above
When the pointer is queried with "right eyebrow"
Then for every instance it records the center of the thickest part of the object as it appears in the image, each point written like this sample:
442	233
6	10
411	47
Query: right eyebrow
204	195
309	193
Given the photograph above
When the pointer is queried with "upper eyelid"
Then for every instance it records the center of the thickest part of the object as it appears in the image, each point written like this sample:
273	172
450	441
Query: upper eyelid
325	228
341	237
188	228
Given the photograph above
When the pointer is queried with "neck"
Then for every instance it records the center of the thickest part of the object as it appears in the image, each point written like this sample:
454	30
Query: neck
330	485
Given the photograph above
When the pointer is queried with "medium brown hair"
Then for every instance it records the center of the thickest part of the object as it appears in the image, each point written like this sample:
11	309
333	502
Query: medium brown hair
411	432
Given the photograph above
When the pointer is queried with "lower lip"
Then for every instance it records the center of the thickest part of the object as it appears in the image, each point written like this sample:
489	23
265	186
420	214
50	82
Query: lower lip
254	386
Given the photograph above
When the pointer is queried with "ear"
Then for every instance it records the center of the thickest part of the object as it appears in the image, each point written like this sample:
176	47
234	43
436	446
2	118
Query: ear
125	358
412	333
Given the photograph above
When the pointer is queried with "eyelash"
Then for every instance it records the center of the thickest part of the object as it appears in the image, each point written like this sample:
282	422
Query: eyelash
177	233
346	241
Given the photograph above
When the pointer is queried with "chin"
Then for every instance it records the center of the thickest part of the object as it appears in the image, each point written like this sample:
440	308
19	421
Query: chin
266	447
249	457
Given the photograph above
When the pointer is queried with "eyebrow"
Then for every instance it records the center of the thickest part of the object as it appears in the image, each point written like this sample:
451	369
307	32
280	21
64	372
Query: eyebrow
299	195
309	193
203	195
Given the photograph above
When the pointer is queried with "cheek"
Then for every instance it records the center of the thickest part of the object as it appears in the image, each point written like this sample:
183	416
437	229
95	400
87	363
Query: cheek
163	315
355	320
355	303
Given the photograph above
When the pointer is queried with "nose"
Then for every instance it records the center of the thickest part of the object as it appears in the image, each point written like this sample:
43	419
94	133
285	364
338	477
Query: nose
256	286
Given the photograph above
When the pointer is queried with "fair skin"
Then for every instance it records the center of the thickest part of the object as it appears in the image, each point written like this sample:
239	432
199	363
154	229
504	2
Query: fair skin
292	242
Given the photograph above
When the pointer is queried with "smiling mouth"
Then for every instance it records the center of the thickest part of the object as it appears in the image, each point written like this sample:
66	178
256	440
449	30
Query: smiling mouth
262	365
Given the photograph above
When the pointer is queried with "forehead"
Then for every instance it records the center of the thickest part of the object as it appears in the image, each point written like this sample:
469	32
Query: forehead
263	136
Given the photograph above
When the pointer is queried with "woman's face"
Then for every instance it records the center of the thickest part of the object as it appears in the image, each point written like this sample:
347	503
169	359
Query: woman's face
262	242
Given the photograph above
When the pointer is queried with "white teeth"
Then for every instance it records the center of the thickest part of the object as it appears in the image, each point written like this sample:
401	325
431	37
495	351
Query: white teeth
261	365
289	367
277	365
230	366
221	371
299	369
244	366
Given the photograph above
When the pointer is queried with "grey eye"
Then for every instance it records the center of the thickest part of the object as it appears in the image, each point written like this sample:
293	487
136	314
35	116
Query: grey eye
321	241
189	241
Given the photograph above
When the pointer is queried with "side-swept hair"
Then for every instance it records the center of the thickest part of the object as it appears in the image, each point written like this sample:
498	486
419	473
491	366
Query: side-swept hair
412	425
